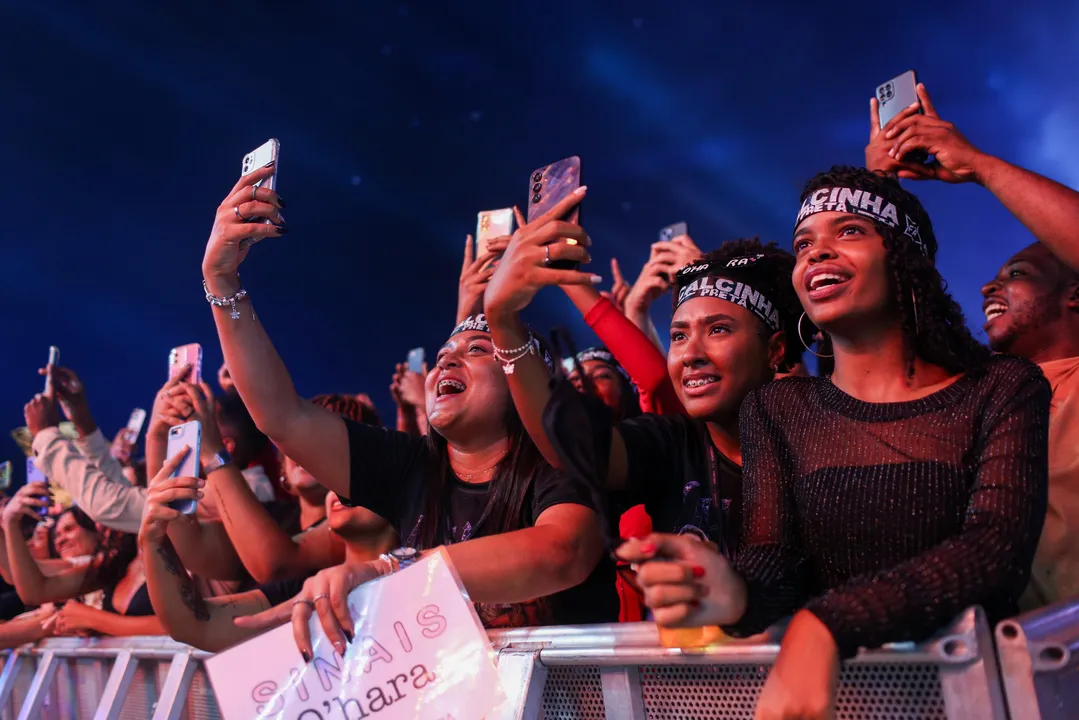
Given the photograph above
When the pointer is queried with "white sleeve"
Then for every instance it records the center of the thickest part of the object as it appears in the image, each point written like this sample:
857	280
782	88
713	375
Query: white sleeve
114	505
95	448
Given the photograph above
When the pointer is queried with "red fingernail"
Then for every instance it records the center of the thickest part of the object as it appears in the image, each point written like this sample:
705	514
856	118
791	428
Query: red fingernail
698	571
648	548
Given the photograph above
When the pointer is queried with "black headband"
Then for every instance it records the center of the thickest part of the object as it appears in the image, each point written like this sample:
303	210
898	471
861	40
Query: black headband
860	201
478	323
721	280
473	323
602	355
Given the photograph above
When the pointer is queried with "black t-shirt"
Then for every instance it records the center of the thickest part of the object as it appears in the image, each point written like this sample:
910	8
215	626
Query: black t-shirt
673	468
391	475
886	520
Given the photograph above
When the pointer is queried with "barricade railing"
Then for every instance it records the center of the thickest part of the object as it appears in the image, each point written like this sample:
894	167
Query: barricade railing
1039	655
569	673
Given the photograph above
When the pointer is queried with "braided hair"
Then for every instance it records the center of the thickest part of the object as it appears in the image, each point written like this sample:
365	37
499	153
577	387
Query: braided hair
932	322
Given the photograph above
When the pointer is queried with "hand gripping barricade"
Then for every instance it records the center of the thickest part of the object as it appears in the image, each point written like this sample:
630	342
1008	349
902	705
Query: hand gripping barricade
1039	655
570	673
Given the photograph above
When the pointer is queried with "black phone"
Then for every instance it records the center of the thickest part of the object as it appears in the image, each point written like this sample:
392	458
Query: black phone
548	186
895	96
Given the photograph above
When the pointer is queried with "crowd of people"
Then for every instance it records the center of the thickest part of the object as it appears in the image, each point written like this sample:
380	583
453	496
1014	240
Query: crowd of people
706	480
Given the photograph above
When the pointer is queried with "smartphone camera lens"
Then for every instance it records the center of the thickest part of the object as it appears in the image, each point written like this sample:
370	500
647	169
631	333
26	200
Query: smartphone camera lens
536	198
537	187
537	176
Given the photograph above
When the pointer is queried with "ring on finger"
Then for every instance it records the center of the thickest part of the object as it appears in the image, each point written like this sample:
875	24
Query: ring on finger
322	596
303	601
546	256
254	191
236	209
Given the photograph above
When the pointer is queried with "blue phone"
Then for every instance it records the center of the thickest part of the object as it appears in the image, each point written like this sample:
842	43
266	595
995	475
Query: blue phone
416	359
188	435
35	475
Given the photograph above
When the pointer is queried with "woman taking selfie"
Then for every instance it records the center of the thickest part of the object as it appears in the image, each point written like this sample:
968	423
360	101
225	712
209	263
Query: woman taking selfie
889	497
684	469
475	483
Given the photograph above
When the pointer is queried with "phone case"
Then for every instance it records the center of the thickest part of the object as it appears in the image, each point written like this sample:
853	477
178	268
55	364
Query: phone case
187	435
547	186
33	474
5	475
416	358
896	95
184	355
54	359
134	424
269	151
672	231
492	224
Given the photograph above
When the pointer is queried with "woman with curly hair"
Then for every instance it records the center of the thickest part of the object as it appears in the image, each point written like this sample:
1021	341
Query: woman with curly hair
882	501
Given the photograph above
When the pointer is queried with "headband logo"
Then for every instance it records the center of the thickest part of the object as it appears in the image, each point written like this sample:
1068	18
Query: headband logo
477	323
690	269
860	202
735	292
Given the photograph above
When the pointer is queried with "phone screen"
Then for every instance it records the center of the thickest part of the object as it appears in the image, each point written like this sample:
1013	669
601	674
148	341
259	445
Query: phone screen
5	475
492	224
188	435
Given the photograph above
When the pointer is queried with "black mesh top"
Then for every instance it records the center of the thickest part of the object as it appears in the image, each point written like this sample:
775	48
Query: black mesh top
888	520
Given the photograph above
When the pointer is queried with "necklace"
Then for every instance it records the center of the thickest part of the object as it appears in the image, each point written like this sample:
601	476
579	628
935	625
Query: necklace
478	473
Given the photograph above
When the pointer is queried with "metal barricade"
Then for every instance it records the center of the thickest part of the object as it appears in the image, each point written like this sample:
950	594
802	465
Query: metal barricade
1039	661
619	671
565	673
106	679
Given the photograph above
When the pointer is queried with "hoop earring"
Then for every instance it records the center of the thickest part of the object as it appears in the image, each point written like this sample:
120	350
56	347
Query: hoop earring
800	319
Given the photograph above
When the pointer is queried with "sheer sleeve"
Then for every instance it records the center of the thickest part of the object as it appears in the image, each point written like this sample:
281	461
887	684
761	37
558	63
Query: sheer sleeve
771	560
988	562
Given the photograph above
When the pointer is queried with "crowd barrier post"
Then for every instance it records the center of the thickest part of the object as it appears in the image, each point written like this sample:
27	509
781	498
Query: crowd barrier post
1039	654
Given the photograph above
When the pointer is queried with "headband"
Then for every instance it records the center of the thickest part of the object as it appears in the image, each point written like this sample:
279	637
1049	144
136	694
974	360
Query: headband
718	280
854	201
478	323
603	355
473	323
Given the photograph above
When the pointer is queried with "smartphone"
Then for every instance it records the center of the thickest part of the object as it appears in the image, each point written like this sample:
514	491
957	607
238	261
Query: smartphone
134	424
54	359
672	231
416	358
492	224
549	185
188	435
261	156
187	355
35	475
5	475
895	96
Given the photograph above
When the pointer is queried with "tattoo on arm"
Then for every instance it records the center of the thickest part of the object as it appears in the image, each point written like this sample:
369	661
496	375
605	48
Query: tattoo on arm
189	594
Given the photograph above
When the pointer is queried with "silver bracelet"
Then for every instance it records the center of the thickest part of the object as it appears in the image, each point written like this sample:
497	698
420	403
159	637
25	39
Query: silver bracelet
229	302
510	358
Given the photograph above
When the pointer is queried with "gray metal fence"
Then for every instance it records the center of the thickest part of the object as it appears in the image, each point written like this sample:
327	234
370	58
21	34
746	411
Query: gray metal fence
611	671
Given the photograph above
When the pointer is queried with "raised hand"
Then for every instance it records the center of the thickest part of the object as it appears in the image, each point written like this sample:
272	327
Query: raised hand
620	289
476	273
225	249
407	387
163	489
40	413
526	265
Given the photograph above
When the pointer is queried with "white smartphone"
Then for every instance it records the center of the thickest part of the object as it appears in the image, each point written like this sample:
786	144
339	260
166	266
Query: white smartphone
187	355
134	424
5	475
188	435
492	224
416	359
54	359
35	475
261	156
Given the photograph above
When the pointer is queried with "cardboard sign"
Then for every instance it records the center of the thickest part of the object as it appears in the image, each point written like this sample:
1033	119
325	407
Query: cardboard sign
420	653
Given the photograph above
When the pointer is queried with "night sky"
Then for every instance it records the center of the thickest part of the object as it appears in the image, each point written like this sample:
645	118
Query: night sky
123	126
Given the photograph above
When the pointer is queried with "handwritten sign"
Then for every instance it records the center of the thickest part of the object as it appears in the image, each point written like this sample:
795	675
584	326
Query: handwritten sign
420	653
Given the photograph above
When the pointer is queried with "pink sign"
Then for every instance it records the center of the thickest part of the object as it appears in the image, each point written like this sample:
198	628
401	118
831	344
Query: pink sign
420	653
